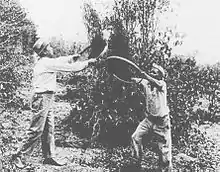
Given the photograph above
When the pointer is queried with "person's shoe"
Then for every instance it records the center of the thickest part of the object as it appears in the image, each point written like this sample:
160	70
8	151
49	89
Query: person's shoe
51	161
17	161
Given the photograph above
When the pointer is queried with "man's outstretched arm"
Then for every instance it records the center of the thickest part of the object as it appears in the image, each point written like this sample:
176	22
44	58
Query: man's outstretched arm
67	65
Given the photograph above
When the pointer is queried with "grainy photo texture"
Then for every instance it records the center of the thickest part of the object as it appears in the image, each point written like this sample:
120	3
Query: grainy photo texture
109	86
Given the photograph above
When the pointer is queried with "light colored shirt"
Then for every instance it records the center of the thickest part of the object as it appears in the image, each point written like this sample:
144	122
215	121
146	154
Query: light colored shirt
156	99
45	71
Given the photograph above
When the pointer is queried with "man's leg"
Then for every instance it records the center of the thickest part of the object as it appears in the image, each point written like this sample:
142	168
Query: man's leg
40	108
48	143
48	138
142	129
165	145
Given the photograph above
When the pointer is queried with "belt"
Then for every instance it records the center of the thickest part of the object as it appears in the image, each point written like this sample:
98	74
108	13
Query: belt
46	92
156	118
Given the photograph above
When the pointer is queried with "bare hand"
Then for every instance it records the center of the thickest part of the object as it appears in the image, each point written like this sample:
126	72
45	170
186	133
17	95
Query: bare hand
92	61
106	34
135	79
76	57
143	74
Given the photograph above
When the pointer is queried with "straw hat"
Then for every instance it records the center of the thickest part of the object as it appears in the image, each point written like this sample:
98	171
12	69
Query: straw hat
40	46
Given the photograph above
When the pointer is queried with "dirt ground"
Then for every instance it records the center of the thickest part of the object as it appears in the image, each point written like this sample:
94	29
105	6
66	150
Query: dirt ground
76	159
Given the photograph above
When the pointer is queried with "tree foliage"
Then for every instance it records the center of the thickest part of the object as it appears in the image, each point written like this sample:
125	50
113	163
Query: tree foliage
209	78
17	35
111	109
110	105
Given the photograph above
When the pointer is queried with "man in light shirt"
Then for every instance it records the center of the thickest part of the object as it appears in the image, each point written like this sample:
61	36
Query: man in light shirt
157	120
44	86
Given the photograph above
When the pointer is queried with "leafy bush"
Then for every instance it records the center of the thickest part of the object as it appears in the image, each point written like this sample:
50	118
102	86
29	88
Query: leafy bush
199	146
17	36
209	79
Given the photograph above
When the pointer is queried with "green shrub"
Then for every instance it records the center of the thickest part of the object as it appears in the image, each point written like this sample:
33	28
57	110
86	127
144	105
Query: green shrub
201	147
17	37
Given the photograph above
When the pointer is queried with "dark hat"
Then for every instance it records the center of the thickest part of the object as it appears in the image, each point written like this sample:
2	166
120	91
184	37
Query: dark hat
39	46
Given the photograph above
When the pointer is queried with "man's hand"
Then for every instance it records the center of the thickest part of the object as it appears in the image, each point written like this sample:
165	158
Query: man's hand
143	74
136	79
76	57
106	34
92	61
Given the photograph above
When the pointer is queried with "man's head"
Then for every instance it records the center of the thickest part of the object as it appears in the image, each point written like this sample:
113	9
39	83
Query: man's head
157	72
43	48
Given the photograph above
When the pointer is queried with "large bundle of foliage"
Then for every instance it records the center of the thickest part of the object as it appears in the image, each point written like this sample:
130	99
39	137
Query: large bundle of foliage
17	35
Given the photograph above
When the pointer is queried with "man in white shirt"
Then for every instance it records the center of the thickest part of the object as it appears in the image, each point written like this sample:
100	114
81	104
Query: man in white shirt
157	120
44	86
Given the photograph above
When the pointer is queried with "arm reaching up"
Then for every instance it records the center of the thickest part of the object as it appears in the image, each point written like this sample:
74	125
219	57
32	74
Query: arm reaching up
66	64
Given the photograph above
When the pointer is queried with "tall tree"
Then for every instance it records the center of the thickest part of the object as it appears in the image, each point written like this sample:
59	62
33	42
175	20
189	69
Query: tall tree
17	35
114	106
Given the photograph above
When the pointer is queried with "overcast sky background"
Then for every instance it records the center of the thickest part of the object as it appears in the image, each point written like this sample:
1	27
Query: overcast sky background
198	19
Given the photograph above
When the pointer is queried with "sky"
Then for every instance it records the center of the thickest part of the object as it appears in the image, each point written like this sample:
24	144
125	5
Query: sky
197	19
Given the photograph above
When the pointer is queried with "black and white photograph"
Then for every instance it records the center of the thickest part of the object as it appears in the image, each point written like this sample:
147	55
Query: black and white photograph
109	86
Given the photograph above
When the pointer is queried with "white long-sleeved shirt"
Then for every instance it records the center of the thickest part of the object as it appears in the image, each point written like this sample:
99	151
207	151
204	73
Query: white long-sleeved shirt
45	71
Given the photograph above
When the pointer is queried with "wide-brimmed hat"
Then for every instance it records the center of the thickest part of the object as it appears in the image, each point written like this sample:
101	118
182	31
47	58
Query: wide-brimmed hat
40	46
160	68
